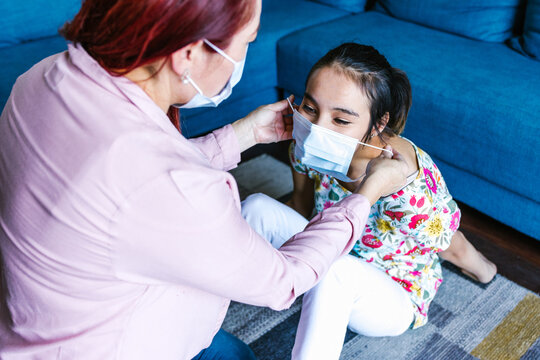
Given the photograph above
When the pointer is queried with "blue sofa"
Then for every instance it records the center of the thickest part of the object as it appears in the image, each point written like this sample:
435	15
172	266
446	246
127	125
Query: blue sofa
474	70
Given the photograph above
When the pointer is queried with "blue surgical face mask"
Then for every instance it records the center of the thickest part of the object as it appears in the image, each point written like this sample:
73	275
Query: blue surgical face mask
201	100
324	150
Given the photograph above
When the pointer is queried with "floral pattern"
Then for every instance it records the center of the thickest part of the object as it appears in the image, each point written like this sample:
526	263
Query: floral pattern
404	231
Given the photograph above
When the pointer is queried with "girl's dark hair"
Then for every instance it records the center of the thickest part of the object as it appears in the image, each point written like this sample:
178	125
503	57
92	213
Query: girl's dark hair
388	89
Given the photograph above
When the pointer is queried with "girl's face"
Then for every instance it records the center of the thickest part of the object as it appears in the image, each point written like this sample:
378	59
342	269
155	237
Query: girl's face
335	102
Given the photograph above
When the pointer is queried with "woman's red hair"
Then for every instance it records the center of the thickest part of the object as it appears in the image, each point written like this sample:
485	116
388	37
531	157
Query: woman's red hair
122	35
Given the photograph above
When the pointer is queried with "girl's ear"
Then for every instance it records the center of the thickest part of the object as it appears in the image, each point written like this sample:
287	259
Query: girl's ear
384	121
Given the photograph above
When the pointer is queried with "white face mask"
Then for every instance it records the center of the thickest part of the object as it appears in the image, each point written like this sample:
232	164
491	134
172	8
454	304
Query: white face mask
324	150
200	100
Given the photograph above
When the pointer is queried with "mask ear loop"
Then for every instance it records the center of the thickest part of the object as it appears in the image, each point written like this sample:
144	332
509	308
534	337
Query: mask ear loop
219	51
291	105
187	79
376	147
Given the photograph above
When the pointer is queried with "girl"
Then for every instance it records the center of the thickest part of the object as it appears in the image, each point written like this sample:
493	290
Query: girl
355	107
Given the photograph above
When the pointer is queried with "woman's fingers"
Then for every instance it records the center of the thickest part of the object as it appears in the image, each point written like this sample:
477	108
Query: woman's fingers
281	105
388	154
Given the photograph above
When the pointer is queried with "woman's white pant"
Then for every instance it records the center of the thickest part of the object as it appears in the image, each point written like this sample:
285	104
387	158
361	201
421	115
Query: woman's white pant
353	293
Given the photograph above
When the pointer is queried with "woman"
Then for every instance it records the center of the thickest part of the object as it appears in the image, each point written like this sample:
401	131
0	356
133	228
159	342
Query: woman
119	237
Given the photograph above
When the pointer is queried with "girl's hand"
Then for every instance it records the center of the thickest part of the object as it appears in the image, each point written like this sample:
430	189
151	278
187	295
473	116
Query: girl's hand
266	124
384	175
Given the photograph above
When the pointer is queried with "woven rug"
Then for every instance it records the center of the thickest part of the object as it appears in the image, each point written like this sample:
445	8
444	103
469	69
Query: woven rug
467	320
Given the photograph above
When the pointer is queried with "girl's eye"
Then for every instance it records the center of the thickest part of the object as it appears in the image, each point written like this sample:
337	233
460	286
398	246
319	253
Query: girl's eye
341	121
308	109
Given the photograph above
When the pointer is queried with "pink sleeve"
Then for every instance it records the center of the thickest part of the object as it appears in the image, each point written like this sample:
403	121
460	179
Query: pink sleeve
186	228
220	147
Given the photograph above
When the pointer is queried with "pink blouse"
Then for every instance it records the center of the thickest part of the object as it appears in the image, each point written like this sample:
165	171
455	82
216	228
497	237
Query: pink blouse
120	238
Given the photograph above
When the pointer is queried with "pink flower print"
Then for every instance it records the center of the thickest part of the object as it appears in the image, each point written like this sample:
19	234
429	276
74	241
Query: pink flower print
417	220
416	273
325	184
417	251
370	260
371	241
420	202
394	215
388	257
368	229
403	232
445	210
406	284
328	204
412	201
437	284
408	263
430	181
454	223
398	194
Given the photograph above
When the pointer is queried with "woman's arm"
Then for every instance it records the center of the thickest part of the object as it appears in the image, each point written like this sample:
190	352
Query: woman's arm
220	147
185	228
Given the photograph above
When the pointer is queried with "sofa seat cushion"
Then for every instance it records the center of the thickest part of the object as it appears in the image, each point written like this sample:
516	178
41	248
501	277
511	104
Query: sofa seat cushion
278	18
475	104
17	59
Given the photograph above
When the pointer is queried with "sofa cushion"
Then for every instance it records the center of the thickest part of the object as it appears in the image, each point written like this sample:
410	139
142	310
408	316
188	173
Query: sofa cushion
354	6
260	73
477	19
475	104
529	42
28	20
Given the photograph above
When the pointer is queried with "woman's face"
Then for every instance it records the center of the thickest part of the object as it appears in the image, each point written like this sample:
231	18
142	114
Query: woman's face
217	71
335	102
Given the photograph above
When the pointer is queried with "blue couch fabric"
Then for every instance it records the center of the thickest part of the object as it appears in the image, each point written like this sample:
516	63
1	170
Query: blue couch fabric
477	19
24	20
529	42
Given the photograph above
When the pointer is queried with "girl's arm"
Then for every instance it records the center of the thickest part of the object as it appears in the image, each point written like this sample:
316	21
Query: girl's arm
302	199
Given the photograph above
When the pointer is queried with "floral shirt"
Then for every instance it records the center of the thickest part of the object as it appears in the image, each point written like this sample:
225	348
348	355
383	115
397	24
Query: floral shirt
404	231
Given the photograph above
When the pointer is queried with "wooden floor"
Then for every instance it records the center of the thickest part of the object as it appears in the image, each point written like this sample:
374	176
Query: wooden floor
516	255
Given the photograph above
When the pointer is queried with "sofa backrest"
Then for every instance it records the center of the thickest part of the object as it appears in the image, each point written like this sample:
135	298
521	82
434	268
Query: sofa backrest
25	20
486	20
529	42
353	6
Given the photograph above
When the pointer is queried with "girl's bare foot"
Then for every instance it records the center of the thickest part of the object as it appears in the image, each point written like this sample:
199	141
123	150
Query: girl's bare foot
488	272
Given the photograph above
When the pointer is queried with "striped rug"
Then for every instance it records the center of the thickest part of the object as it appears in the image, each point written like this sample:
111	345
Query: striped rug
467	320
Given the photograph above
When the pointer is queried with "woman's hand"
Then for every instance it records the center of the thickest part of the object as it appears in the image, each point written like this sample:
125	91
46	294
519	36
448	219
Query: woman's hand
266	124
384	175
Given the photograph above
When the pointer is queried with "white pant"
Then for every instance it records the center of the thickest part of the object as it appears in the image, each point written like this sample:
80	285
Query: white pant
353	293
